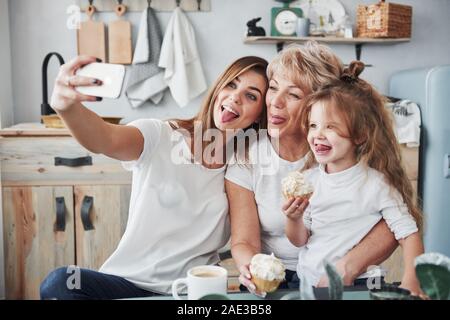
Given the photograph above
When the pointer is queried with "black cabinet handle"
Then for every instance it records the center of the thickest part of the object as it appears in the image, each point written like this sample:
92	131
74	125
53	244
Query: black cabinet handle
60	214
86	207
76	162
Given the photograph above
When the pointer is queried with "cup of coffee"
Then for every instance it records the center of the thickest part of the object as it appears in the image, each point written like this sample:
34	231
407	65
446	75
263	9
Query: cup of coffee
202	281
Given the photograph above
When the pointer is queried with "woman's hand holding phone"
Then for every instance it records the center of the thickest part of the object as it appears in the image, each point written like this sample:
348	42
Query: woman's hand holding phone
64	94
111	75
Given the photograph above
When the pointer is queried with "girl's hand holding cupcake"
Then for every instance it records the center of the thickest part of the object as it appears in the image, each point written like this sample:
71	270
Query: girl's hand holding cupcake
296	191
294	208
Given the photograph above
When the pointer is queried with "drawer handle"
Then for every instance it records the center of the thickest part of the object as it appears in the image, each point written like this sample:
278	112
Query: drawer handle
86	207
76	162
60	214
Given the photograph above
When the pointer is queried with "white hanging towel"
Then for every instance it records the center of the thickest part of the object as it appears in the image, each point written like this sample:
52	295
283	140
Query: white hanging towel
181	61
407	122
146	79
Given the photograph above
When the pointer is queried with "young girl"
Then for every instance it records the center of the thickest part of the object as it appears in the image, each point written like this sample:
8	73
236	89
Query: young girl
178	210
359	179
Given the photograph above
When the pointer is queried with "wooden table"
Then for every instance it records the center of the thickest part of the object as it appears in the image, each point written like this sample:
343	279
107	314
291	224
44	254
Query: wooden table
350	293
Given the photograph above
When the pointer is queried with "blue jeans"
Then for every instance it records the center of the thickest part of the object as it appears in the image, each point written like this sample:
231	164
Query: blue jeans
84	284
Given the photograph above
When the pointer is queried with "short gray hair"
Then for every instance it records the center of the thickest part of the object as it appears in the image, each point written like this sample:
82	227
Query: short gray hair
309	66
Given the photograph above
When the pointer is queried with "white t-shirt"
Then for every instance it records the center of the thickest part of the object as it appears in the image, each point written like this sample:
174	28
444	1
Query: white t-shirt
344	207
263	177
178	215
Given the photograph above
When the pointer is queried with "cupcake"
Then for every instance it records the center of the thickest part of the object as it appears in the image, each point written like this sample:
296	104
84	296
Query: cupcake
296	186
267	272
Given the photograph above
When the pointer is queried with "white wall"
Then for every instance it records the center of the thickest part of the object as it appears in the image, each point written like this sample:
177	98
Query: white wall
39	26
6	102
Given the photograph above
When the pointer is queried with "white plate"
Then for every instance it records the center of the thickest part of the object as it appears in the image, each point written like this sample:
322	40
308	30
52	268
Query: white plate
326	15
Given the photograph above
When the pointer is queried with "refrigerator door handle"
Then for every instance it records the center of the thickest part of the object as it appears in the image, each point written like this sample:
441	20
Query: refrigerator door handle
447	166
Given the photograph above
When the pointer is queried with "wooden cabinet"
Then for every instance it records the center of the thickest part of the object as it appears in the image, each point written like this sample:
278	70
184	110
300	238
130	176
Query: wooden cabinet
38	183
32	246
108	217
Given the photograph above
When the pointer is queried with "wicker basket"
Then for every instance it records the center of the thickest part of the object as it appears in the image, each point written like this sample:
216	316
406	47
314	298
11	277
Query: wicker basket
384	20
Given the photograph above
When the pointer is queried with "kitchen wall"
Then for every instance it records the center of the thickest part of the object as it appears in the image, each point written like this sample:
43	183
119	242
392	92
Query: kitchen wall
39	26
6	102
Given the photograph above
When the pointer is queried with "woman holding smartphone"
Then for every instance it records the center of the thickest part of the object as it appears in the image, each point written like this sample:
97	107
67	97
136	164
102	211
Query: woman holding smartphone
178	214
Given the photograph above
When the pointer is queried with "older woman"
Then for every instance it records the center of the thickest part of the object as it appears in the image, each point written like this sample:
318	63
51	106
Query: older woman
254	190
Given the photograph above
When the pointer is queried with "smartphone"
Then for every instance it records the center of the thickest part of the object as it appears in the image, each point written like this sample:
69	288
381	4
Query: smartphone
112	76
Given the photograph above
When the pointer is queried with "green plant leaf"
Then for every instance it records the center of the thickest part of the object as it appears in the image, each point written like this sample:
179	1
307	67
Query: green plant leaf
433	272
214	296
336	285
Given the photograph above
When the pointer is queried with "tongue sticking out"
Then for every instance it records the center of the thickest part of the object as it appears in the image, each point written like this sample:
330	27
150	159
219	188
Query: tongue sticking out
228	116
322	147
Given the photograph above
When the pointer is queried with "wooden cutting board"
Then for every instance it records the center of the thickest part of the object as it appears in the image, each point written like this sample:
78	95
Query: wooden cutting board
91	37
119	38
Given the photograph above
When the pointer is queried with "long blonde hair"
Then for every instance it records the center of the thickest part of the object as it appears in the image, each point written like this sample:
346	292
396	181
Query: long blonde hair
206	113
370	128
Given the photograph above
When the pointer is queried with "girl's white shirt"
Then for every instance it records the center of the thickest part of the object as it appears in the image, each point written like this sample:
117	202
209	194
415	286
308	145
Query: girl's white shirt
343	209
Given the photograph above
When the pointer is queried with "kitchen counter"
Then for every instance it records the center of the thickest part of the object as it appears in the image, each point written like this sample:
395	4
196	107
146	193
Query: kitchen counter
33	130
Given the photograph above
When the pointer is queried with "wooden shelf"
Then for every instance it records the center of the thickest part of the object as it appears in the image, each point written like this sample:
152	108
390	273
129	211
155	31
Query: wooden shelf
333	40
357	42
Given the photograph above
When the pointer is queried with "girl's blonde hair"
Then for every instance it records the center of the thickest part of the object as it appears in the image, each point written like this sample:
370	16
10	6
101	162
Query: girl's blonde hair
308	66
370	128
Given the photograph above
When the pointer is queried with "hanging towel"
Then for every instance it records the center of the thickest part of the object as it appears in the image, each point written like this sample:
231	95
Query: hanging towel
146	79
181	61
407	122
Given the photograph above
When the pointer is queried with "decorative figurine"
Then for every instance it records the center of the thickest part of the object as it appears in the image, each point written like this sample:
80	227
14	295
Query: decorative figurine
254	30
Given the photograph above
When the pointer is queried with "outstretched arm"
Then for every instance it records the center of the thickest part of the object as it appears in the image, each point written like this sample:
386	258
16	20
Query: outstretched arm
120	142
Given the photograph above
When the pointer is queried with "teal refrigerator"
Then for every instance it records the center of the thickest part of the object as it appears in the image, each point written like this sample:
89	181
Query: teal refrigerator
430	89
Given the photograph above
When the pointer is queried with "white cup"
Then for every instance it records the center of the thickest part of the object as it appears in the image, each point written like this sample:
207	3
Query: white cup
202	281
303	27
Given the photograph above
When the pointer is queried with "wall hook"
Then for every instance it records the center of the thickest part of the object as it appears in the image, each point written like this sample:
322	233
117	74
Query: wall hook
120	9
90	9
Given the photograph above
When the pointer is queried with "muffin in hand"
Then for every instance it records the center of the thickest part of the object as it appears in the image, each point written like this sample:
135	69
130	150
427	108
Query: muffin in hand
296	186
267	272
